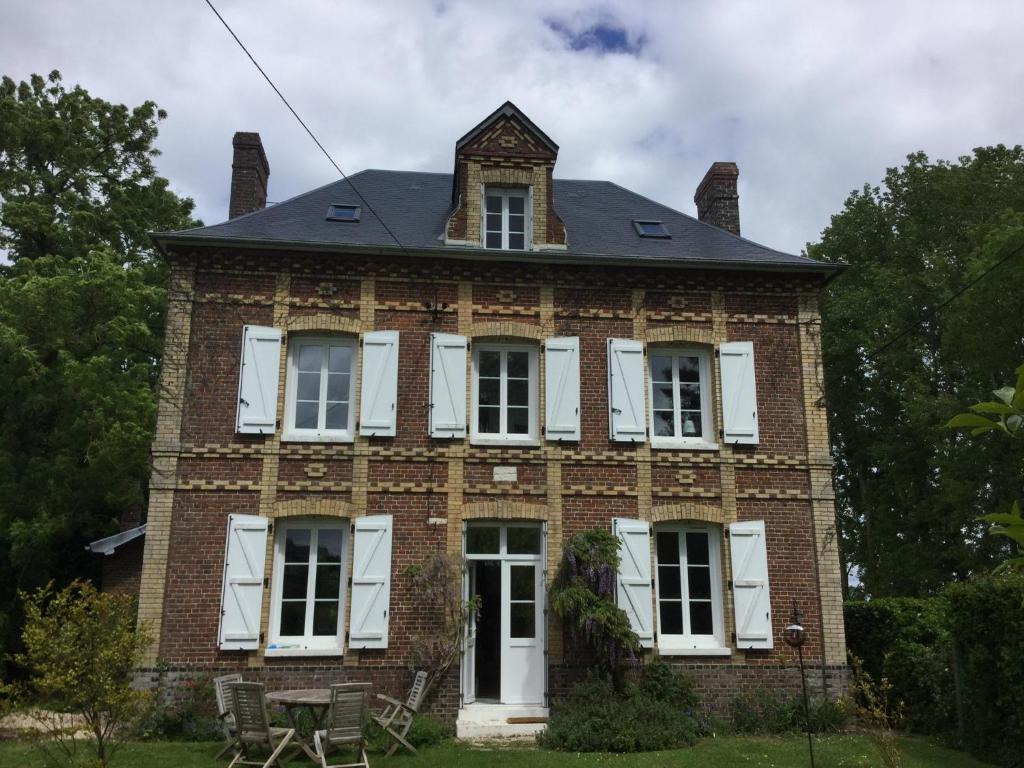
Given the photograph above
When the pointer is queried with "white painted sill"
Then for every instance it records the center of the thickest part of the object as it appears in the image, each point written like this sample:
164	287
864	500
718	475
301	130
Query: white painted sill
285	653
675	651
676	445
492	442
317	437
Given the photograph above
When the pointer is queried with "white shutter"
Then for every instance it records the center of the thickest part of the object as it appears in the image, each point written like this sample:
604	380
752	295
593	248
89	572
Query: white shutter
739	392
371	582
378	401
562	388
257	381
241	600
626	413
633	583
750	585
447	385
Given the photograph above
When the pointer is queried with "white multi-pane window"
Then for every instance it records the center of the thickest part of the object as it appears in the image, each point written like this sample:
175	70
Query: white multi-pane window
506	219
504	393
321	383
688	587
309	586
680	397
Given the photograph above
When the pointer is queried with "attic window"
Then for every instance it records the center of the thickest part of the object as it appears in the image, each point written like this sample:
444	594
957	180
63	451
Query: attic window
651	229
343	213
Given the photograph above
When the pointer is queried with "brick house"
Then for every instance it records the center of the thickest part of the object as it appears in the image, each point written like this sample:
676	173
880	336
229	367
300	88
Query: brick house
486	362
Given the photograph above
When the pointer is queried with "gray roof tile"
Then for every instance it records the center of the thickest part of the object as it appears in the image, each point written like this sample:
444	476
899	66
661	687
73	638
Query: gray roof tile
598	217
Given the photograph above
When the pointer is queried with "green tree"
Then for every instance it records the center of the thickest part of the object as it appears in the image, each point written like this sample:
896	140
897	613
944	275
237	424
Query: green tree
81	648
82	303
1003	415
910	493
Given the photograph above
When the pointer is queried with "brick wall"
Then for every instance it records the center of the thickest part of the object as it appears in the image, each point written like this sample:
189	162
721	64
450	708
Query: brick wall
204	471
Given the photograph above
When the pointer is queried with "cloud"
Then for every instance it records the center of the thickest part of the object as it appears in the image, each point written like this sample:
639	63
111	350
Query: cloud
810	99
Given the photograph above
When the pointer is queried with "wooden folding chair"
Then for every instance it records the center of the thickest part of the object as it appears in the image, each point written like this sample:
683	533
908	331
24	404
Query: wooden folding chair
345	725
224	711
396	719
252	724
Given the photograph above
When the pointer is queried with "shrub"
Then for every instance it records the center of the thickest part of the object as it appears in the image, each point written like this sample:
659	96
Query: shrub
765	712
192	716
81	647
907	642
986	619
645	717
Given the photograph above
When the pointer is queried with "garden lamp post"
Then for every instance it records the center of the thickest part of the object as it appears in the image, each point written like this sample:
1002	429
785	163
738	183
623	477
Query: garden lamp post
796	636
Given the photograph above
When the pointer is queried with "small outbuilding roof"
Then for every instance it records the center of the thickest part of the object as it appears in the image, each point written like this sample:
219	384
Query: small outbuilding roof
110	544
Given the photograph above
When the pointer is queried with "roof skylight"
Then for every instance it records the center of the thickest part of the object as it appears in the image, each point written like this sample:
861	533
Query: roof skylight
651	229
343	212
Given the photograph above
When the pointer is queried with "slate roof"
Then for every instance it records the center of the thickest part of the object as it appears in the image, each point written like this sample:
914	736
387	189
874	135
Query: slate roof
598	216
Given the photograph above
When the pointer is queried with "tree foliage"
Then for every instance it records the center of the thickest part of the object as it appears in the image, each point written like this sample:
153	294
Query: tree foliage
1003	415
81	648
82	304
910	492
583	597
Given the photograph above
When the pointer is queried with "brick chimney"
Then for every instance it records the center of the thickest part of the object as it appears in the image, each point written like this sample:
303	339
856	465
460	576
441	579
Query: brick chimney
717	201
249	173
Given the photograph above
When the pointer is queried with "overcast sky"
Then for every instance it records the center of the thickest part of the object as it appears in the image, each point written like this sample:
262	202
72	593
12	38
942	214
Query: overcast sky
811	99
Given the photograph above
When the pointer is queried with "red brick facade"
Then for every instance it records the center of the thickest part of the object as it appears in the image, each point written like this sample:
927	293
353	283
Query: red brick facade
422	482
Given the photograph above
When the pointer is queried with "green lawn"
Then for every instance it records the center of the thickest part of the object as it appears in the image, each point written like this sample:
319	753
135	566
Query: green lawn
847	751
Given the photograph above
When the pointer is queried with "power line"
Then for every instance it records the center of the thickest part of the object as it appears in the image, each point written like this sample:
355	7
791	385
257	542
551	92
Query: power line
303	124
935	312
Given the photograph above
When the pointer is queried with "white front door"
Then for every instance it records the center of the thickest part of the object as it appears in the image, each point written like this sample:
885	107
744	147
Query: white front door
522	620
505	568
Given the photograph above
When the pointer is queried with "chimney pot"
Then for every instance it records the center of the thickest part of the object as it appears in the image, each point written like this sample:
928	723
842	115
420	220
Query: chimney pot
718	202
249	173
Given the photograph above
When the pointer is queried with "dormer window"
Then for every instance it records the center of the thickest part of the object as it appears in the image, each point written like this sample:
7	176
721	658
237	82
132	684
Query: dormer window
506	218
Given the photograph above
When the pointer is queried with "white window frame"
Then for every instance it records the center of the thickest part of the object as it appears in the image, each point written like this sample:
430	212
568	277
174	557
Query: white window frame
307	645
504	437
526	193
707	440
713	644
290	433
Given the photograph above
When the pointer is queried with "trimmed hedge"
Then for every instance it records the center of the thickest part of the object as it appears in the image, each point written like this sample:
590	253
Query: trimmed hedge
987	626
907	641
967	642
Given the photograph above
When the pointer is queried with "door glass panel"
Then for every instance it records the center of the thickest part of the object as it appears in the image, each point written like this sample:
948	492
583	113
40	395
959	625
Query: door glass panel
490	363
522	621
328	546
523	582
494	204
518	392
524	541
482	540
516	205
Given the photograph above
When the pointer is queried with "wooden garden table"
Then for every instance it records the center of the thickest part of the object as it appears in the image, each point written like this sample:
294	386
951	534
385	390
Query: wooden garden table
315	701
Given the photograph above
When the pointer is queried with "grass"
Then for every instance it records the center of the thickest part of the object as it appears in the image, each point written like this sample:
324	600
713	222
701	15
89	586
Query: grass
846	751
